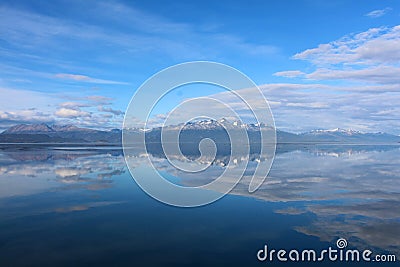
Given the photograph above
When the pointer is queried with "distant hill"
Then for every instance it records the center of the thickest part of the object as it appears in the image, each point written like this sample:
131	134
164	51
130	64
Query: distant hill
195	131
191	134
43	133
348	136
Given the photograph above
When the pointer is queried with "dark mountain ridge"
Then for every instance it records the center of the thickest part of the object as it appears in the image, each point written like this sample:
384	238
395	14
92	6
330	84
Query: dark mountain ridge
191	132
44	133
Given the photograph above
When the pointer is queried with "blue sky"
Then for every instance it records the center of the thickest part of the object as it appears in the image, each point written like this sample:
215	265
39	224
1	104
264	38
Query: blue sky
321	64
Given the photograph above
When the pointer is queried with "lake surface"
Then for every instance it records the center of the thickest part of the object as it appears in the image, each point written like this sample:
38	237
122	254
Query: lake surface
80	207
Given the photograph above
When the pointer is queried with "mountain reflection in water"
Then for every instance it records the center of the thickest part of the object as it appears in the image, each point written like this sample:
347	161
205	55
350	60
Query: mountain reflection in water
314	194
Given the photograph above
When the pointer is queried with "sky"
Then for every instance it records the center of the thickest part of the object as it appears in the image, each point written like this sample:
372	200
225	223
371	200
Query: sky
320	64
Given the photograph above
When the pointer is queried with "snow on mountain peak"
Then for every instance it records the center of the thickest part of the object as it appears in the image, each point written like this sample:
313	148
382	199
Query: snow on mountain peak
336	130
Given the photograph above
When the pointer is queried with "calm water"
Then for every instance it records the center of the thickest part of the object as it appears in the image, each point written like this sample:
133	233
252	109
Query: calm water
80	207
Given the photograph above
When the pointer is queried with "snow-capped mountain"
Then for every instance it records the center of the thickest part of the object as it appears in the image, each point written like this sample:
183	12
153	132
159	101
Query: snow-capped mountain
210	124
191	132
347	136
29	128
336	131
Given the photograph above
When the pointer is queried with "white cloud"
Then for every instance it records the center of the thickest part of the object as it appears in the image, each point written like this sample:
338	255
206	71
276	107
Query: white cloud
70	171
84	78
311	105
371	57
289	73
379	74
110	110
376	45
378	13
98	99
71	113
381	50
73	105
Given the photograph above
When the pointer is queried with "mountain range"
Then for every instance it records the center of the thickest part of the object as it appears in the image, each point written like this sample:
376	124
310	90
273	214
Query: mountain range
44	133
192	132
